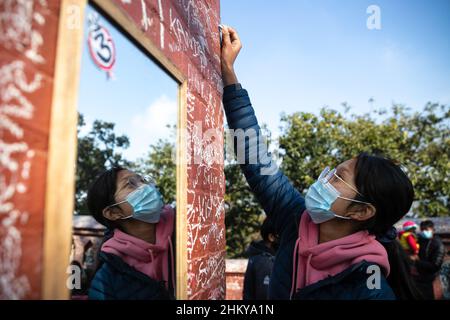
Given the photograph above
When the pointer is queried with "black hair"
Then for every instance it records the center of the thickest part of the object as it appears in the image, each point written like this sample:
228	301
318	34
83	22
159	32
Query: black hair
426	224
101	194
383	183
267	228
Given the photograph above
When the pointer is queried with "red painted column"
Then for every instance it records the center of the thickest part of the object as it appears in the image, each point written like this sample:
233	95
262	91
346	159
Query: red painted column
28	32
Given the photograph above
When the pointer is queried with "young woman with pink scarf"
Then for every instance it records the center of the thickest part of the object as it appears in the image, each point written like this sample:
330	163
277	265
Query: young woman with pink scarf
337	241
137	261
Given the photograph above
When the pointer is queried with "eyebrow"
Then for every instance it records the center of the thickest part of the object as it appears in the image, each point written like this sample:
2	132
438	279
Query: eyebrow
124	180
133	175
342	171
346	171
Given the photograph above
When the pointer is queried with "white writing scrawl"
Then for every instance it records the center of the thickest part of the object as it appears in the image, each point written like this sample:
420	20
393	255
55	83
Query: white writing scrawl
18	19
19	23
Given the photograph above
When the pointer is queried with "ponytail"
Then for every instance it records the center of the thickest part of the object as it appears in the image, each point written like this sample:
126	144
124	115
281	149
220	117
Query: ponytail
384	184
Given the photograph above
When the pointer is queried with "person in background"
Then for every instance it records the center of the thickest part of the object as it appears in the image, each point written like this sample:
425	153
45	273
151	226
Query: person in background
408	238
261	257
430	258
445	279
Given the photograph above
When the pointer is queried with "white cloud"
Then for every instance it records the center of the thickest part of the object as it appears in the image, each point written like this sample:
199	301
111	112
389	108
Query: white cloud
148	127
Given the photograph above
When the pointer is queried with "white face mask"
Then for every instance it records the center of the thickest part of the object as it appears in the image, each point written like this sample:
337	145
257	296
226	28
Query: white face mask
321	196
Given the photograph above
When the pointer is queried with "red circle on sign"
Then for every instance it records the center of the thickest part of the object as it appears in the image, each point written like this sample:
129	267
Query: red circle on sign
100	40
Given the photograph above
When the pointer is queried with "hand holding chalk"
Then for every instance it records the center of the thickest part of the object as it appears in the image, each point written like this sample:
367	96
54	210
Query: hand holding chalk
231	45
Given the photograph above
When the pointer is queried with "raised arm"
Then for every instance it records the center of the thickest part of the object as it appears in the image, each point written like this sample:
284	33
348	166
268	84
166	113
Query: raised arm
278	197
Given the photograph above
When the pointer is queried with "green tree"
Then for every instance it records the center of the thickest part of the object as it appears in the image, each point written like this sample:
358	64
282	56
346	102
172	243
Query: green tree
418	141
100	148
243	214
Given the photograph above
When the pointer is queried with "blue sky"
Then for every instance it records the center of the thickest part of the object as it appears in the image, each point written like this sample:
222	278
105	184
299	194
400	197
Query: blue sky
301	55
140	100
297	55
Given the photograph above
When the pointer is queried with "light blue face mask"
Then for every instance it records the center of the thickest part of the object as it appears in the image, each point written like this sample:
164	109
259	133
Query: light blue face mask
427	234
321	196
146	202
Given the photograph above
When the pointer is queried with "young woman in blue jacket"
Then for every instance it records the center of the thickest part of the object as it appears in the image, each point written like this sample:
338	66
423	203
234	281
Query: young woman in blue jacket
338	240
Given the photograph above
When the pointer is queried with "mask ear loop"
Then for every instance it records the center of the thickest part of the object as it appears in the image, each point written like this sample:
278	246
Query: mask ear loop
116	204
362	202
342	217
331	187
348	185
354	189
353	200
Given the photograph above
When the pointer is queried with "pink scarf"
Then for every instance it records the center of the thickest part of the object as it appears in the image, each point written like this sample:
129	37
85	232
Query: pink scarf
315	262
150	259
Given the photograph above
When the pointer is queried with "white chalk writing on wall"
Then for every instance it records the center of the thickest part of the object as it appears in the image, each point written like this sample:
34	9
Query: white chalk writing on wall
202	209
161	24
18	19
16	27
205	212
146	21
14	104
206	209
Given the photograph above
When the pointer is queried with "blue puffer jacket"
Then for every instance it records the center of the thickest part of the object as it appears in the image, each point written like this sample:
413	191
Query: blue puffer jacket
259	268
284	205
116	280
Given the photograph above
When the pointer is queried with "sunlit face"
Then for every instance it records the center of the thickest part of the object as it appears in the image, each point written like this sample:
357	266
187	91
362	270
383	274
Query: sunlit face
344	182
127	182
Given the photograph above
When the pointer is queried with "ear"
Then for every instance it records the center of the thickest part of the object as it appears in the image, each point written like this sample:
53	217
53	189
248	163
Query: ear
363	213
112	213
272	237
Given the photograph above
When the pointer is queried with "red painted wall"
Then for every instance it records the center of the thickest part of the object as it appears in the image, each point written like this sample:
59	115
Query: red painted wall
234	275
187	32
28	31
